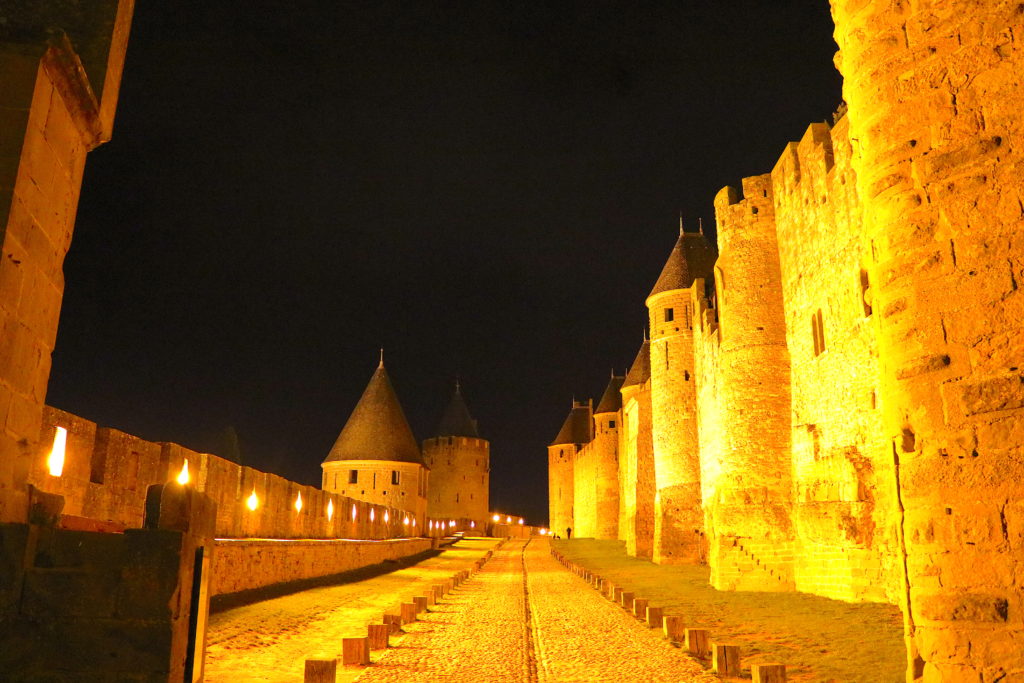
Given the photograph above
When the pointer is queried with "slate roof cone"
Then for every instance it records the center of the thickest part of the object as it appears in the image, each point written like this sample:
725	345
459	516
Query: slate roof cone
640	370
456	420
577	427
377	428
611	399
692	257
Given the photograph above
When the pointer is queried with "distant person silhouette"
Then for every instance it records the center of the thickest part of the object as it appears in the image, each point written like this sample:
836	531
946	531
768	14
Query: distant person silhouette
568	532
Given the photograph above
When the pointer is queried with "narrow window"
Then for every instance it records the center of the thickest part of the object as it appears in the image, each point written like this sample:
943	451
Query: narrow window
670	315
353	476
335	481
611	424
394	477
864	300
689	321
456	498
818	330
375	480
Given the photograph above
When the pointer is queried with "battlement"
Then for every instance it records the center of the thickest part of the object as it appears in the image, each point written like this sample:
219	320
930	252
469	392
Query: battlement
813	156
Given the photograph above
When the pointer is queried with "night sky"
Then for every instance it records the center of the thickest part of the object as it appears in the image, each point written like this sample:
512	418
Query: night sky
487	190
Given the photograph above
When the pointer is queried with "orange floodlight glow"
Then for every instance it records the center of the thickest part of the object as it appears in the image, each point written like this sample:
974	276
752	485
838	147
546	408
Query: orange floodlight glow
298	502
183	475
330	510
252	502
55	461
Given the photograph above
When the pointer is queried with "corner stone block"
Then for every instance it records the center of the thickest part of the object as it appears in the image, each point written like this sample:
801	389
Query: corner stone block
725	659
768	673
355	651
321	671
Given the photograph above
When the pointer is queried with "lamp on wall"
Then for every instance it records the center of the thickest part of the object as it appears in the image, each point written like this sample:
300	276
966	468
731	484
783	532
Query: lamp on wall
183	475
298	502
55	461
252	502
330	510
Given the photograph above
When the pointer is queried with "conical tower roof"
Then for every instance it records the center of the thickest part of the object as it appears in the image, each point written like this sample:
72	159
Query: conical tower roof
456	420
611	399
377	428
692	257
640	370
576	428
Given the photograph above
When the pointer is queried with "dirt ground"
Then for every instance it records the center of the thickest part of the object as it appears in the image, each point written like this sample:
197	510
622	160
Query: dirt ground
817	638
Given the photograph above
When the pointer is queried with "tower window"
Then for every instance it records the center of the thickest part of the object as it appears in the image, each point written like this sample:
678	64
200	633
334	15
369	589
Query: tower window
670	315
611	424
395	477
353	476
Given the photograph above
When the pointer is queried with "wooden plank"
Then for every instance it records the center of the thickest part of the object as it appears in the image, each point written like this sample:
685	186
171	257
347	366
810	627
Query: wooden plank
654	615
321	671
695	640
725	659
355	651
378	635
768	673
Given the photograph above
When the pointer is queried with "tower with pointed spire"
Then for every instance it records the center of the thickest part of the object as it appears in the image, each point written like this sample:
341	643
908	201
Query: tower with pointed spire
460	464
604	449
678	517
376	457
636	457
576	431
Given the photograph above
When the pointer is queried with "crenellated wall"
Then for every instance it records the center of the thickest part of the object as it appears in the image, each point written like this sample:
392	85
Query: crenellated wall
108	472
844	503
584	492
636	470
460	469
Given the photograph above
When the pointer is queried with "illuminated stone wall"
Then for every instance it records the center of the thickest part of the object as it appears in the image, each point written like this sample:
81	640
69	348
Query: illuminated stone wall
57	103
560	487
678	517
459	477
107	473
935	92
636	471
375	484
584	492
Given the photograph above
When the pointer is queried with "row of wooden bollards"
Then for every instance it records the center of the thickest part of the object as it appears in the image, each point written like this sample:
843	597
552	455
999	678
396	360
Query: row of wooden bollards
355	652
725	657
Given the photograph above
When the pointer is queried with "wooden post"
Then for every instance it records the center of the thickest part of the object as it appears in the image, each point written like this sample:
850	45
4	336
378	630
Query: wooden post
627	601
321	671
421	603
355	651
394	621
378	635
617	597
768	673
438	593
673	626
654	615
725	659
408	612
640	608
696	642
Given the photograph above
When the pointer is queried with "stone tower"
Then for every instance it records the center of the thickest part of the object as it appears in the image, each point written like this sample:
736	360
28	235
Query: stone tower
934	92
459	463
575	432
605	452
678	517
636	458
747	501
376	458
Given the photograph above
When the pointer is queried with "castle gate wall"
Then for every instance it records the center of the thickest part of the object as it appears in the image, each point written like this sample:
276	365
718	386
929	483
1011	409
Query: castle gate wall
751	534
935	92
678	517
636	471
459	477
843	480
584	501
606	490
561	487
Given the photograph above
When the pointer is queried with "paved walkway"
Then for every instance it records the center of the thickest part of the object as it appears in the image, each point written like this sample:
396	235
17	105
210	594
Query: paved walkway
524	618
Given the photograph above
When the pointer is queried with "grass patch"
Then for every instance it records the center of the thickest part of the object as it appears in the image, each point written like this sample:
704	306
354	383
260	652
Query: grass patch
819	639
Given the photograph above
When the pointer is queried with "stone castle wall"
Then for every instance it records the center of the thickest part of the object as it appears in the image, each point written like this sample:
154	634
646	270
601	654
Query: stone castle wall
606	485
636	471
584	492
561	487
459	477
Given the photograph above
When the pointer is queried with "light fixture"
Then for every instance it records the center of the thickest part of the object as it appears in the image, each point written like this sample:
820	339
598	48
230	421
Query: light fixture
252	501
55	461
183	475
298	502
330	510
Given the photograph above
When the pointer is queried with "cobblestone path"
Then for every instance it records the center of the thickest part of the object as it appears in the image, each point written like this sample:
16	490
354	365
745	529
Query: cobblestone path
524	618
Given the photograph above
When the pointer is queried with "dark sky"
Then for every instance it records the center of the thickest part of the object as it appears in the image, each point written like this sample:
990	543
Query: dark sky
486	190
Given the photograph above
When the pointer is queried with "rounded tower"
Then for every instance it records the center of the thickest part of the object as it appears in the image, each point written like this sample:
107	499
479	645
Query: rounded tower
679	519
605	446
575	432
376	458
460	465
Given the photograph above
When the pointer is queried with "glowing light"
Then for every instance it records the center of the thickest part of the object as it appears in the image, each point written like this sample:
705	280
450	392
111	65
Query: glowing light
330	510
451	524
520	521
508	520
55	461
183	475
371	514
405	521
252	502
430	525
386	516
496	518
298	502
353	512
413	522
543	531
472	525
